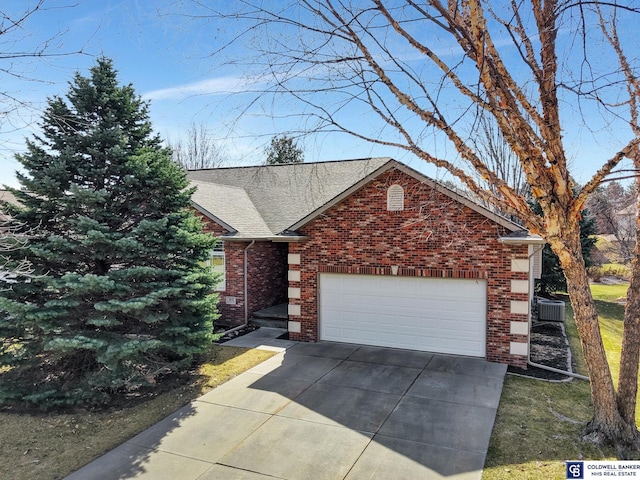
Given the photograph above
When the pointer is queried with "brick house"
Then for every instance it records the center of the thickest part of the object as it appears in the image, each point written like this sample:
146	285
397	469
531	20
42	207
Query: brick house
372	252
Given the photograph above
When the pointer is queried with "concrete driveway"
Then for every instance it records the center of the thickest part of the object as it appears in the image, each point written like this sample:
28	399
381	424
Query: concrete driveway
324	411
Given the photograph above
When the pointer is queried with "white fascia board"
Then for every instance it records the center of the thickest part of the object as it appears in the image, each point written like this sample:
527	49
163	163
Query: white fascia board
528	240
275	239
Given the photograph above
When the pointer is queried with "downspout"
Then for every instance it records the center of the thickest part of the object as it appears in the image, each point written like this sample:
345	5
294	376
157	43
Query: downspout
246	289
530	321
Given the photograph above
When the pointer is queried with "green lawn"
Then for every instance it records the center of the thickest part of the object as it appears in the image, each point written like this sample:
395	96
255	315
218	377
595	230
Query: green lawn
609	293
611	314
538	423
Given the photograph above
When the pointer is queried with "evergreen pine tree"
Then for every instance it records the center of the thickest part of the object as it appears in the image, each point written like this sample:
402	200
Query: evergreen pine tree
283	149
552	278
120	295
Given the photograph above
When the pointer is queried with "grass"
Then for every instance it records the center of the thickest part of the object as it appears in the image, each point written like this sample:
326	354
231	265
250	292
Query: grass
53	445
618	270
611	314
538	423
609	294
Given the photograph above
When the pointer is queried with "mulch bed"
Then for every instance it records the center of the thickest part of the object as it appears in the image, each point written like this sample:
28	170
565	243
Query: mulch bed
238	333
549	347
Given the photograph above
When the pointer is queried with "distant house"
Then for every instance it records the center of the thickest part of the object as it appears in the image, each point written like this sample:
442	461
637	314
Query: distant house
371	252
6	196
618	245
626	219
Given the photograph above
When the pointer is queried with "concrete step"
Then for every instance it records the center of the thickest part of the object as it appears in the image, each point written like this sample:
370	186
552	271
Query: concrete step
277	311
269	322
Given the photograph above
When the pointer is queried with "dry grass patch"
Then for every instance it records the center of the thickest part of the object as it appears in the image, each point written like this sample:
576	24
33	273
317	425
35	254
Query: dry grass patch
52	445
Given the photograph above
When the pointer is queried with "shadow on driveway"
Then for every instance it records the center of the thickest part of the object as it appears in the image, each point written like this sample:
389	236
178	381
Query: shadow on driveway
326	411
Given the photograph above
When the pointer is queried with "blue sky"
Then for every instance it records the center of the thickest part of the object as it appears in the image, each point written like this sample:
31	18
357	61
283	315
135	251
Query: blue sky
166	58
163	60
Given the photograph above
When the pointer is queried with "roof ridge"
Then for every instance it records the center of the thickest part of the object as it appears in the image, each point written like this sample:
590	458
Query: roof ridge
279	165
219	184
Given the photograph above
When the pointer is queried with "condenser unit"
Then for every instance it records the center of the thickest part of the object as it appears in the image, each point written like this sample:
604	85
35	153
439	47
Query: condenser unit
550	310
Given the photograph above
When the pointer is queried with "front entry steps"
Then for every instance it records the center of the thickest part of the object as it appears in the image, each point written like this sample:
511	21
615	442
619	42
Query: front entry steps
274	317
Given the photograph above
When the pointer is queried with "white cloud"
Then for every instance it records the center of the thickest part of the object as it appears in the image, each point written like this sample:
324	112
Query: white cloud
211	86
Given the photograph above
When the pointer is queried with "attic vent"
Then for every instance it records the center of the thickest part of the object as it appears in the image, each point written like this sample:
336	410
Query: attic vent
395	198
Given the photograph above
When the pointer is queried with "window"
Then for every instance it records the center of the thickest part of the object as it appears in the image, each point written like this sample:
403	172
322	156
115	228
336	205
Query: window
216	262
395	198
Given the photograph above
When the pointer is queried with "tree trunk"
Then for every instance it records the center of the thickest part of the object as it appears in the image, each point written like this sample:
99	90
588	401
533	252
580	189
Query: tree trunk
608	425
628	380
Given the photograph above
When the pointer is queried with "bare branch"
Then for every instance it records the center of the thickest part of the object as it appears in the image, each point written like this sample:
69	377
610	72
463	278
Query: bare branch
197	150
19	51
13	237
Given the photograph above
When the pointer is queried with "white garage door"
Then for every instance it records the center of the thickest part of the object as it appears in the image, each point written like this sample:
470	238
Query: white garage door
430	314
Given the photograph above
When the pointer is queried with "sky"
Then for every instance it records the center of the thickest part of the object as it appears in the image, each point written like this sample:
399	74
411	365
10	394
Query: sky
163	60
168	60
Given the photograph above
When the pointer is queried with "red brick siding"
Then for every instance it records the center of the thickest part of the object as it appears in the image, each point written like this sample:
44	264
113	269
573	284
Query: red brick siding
432	236
266	274
231	304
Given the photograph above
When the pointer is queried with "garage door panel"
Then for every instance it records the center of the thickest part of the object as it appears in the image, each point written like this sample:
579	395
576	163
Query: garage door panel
439	315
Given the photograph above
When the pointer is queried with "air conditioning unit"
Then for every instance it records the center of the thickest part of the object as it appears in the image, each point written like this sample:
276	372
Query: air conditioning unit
550	310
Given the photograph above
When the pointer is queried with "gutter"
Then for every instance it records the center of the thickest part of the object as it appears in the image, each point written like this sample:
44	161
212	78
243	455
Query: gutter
536	240
275	238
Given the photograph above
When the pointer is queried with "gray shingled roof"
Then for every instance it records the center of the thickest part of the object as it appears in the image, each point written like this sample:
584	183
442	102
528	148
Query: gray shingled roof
237	211
267	202
8	197
264	201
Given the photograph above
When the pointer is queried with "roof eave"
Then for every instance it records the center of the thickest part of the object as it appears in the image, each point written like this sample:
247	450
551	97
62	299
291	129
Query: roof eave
506	223
212	217
528	240
271	238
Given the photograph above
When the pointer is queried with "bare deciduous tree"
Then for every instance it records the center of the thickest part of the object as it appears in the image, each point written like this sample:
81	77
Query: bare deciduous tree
422	73
614	210
496	153
627	394
197	150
